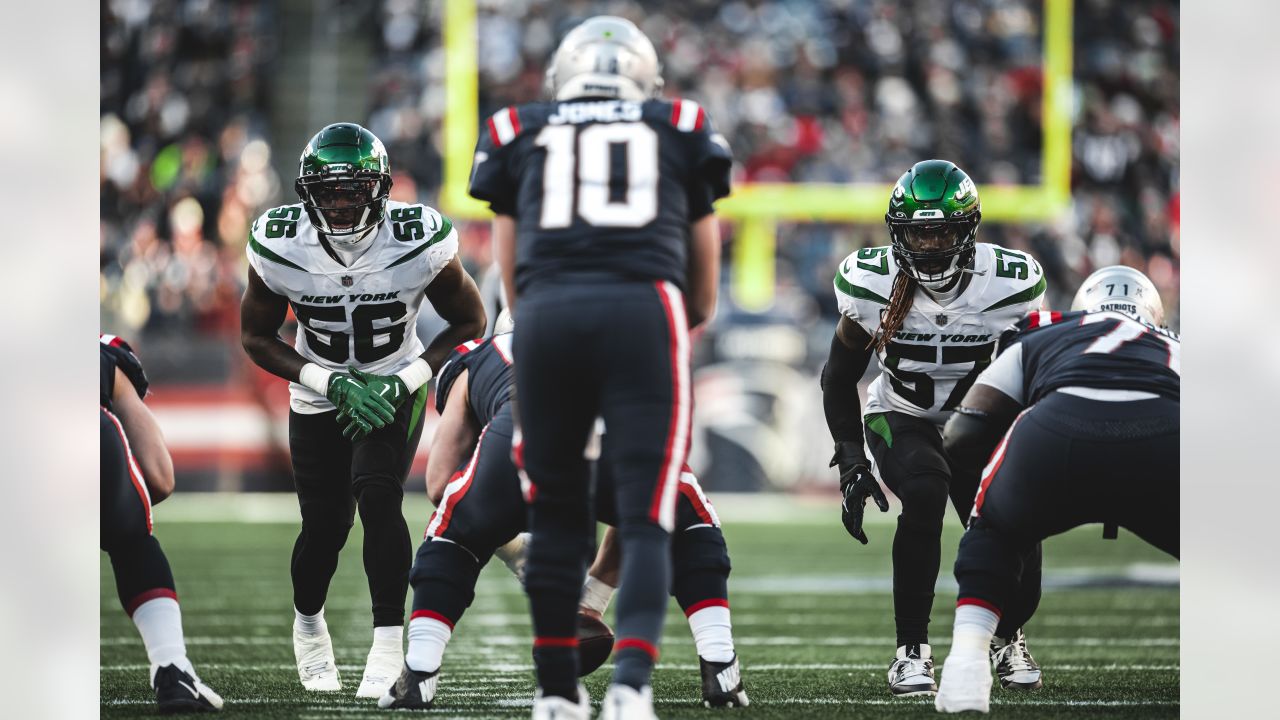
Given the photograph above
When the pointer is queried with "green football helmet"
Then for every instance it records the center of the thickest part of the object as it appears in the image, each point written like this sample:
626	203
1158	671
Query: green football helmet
344	178
933	219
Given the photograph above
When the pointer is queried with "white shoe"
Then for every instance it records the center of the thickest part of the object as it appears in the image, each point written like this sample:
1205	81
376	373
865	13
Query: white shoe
966	685
624	703
316	667
911	672
555	707
1013	663
514	555
386	658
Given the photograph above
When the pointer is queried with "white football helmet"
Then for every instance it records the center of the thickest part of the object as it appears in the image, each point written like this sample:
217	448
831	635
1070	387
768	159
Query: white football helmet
1123	289
605	56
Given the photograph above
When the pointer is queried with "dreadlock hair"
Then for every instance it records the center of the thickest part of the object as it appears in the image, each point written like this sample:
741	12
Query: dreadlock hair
901	296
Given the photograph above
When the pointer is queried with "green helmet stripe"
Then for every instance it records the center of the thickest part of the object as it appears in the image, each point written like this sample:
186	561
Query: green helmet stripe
1027	295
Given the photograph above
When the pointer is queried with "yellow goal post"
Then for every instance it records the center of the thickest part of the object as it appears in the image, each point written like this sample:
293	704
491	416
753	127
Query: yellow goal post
756	208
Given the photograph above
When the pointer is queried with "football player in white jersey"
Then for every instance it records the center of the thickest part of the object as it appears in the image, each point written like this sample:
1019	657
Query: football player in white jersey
931	307
355	268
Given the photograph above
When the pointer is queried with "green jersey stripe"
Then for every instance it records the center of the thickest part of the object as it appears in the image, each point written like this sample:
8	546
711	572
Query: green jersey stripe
446	227
267	254
861	293
1027	295
419	402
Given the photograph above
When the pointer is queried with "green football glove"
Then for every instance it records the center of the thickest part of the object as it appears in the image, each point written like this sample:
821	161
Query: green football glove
367	409
388	387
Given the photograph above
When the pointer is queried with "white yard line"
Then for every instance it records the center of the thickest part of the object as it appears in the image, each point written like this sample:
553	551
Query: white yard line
674	667
780	640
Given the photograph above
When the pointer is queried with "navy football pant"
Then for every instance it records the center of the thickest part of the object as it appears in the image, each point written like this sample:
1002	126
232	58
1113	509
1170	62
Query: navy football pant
618	351
912	463
334	477
483	508
1066	462
140	566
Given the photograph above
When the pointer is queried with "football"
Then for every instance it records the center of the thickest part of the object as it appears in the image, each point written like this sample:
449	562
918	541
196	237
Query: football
595	643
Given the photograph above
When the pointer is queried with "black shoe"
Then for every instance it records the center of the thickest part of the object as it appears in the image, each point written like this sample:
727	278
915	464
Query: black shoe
413	690
180	692
722	684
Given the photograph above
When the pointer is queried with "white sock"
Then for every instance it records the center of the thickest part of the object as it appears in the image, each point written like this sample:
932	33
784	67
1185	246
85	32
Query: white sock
427	640
972	631
310	625
159	622
712	633
389	636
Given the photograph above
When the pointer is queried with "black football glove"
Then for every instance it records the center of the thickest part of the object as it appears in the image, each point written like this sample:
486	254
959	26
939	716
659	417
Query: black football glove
856	485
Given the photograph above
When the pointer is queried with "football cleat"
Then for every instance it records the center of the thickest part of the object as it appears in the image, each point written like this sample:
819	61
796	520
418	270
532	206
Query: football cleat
413	690
722	684
316	667
966	685
554	707
625	703
1014	666
179	691
911	672
381	668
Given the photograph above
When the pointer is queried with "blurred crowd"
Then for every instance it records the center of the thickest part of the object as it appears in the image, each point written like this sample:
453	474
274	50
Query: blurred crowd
185	164
805	90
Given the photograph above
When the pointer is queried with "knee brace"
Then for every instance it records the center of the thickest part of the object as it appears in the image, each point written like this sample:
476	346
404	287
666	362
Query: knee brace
444	578
700	566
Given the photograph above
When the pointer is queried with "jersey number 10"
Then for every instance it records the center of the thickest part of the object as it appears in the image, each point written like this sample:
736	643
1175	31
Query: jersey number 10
586	174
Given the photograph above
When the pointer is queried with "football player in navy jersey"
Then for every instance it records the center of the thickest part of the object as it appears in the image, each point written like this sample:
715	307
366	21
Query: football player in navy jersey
610	251
481	507
1081	409
136	471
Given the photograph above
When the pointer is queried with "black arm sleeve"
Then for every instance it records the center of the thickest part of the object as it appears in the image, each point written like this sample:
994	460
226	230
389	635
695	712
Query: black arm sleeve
970	437
840	401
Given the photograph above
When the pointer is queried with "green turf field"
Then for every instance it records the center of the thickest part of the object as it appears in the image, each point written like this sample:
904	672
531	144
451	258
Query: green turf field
812	618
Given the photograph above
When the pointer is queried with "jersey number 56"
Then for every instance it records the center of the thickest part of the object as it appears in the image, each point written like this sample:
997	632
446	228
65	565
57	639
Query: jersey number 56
335	345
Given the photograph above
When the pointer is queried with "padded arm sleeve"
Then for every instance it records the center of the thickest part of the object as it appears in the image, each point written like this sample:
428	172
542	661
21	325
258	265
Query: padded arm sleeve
840	401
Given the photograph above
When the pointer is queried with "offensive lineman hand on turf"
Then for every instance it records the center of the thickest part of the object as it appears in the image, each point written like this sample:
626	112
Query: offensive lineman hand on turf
856	485
366	409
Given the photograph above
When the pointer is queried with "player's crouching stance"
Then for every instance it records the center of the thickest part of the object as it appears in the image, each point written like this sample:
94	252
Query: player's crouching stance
355	268
1097	442
136	471
930	307
481	507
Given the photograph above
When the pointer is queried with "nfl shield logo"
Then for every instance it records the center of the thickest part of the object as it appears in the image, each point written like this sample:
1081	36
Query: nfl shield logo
940	319
347	280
